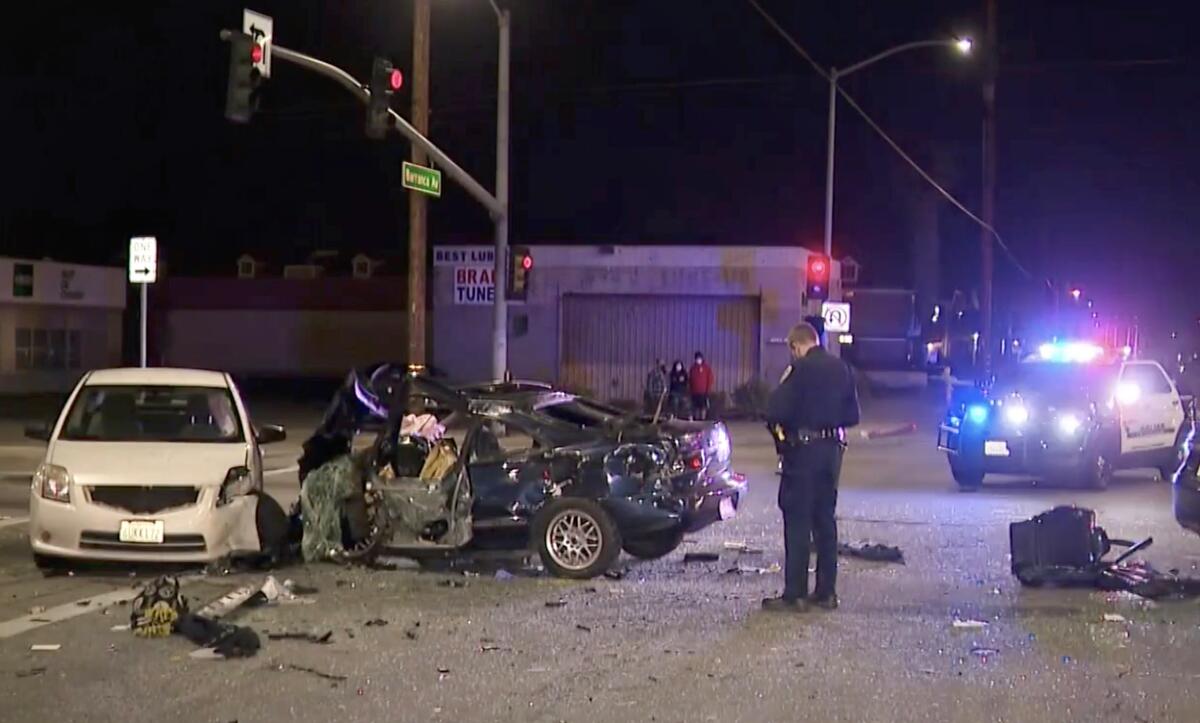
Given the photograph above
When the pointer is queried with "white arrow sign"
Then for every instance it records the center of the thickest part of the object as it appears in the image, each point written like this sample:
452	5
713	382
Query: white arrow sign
837	317
143	260
261	29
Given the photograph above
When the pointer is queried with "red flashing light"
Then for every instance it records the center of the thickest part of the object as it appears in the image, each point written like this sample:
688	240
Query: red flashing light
256	53
527	263
395	79
818	267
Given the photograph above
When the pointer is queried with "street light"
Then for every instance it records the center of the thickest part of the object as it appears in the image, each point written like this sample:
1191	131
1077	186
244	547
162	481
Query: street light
962	45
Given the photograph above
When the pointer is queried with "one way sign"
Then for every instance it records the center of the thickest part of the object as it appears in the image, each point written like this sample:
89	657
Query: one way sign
143	260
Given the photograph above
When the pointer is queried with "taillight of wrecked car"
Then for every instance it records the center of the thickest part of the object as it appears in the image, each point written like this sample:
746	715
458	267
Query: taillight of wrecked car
695	461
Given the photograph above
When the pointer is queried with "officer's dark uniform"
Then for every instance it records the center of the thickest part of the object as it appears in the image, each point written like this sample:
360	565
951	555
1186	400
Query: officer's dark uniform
814	403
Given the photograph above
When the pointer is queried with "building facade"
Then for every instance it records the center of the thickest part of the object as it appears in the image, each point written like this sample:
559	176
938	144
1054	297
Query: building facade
56	321
596	318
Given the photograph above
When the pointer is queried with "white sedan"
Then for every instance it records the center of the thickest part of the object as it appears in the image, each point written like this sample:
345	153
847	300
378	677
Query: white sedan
155	465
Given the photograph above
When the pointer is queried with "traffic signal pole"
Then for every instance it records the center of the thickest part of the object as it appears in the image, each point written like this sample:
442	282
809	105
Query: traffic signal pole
417	204
496	208
500	304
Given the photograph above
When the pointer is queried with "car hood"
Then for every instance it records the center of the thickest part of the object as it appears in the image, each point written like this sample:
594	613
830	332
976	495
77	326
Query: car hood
148	463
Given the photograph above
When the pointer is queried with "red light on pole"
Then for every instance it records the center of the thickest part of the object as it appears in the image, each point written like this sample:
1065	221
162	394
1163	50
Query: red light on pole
818	267
527	263
256	53
396	79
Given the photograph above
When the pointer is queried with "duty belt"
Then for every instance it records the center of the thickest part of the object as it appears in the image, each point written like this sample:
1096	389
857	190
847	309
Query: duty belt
807	436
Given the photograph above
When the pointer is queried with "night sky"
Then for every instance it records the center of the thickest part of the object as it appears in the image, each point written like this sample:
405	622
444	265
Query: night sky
653	121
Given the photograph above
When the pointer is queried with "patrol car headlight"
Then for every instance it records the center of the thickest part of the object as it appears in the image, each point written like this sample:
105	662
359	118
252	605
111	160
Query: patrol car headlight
1069	424
1016	414
977	413
1127	393
52	482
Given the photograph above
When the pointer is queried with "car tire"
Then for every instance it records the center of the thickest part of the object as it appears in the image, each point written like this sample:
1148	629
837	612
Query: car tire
1095	471
48	565
575	538
654	546
969	479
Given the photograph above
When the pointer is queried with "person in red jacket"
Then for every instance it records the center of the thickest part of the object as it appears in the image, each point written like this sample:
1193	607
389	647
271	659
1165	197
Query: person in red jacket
701	381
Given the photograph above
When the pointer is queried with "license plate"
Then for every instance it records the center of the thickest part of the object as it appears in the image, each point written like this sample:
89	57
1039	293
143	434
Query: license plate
727	508
995	448
142	531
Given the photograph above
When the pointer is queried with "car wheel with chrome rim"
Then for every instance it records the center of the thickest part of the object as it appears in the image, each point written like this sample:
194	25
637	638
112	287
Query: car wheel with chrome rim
576	538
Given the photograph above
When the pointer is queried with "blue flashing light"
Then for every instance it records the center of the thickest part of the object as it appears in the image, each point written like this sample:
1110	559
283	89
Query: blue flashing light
977	413
1072	352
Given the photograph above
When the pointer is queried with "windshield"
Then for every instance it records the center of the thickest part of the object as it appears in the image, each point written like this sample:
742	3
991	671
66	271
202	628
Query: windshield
153	414
1057	379
582	413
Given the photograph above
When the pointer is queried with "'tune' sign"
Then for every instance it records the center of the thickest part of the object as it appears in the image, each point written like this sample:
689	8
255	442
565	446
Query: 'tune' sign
474	285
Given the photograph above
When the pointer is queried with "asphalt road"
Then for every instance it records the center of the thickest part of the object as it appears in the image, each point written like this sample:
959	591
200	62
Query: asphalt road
670	641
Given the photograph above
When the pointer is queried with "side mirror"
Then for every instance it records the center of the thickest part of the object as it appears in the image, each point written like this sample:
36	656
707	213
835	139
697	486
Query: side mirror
40	432
271	433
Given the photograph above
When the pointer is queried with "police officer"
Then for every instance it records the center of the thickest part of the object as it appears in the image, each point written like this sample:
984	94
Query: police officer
808	415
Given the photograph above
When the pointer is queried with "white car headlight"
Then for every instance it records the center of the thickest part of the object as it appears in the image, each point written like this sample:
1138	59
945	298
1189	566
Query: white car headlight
1069	424
52	482
1016	414
238	483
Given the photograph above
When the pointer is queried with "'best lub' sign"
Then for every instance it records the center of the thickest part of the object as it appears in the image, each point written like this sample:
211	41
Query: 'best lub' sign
474	285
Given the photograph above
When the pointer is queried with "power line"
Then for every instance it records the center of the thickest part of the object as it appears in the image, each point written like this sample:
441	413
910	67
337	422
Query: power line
888	139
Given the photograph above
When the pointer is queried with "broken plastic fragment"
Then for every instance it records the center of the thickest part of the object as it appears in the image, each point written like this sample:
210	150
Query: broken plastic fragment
1114	618
45	648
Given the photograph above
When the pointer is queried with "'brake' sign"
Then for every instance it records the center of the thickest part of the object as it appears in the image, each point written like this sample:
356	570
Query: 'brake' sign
474	285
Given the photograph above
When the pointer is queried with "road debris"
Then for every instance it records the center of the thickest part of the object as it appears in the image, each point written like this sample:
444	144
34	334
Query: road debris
984	653
614	574
453	583
45	648
313	671
316	638
504	575
297	589
37	610
741	548
872	551
969	624
584	628
376	622
556	603
690	557
771	569
488	647
1114	618
157	607
30	673
119	628
222	639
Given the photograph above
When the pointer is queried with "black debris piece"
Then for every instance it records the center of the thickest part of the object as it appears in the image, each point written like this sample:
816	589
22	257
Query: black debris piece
30	673
319	639
701	557
410	634
313	671
556	603
229	641
584	628
302	589
376	623
1140	578
443	671
873	551
453	583
615	574
84	603
488	647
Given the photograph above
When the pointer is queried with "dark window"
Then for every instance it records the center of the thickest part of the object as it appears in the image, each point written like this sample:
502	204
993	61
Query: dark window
1149	378
74	349
153	414
24	342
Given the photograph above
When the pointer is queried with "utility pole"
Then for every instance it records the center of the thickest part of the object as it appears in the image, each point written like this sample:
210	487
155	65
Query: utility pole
417	210
500	309
991	52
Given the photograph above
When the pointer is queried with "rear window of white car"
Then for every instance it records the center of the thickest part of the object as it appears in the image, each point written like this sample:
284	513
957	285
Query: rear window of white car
153	414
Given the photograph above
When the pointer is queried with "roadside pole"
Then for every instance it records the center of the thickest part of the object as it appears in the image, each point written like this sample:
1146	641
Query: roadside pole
500	307
143	271
418	210
991	54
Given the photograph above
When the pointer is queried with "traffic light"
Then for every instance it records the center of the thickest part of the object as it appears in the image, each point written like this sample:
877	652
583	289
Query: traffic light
816	277
241	99
385	80
519	267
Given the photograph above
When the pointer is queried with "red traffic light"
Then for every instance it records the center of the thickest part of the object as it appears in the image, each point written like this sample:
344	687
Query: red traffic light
395	79
256	53
527	263
817	266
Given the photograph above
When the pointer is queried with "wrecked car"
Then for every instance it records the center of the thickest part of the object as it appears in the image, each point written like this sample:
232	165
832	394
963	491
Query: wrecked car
576	479
1186	491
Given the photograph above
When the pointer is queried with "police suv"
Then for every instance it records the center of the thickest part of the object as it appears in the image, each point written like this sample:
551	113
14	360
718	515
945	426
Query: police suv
1070	413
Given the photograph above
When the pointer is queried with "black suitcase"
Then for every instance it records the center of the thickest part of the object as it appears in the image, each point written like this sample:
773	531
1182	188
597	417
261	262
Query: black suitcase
1062	545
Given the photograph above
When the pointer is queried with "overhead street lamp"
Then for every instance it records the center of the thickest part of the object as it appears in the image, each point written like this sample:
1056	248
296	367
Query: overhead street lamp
962	45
